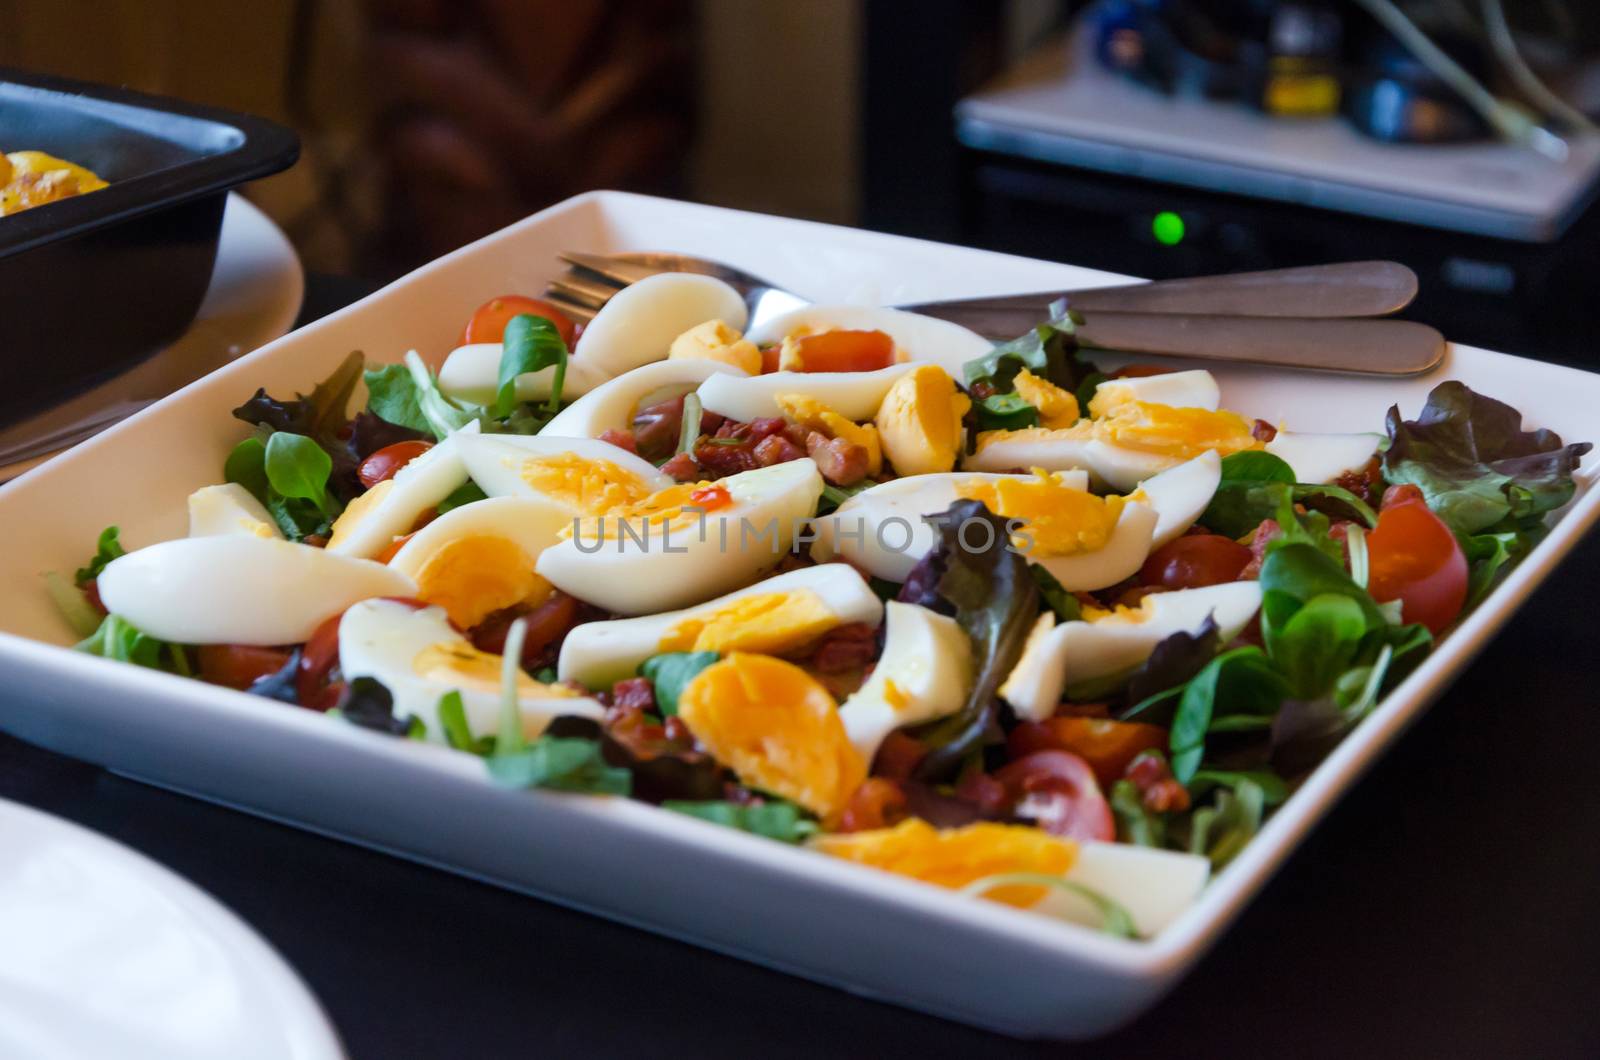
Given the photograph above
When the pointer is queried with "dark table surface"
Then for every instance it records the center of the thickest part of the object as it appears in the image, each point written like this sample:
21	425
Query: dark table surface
1449	906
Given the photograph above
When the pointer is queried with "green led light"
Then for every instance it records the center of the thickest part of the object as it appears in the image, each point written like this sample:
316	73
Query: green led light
1168	228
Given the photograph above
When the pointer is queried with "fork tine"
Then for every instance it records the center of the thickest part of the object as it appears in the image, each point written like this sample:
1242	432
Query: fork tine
576	310
584	292
618	272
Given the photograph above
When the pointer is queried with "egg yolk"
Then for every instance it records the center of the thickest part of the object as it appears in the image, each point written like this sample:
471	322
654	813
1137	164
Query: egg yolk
1163	430
811	413
592	487
1057	407
1061	521
1121	614
716	341
919	422
33	178
777	728
356	511
458	663
955	857
772	623
474	575
670	513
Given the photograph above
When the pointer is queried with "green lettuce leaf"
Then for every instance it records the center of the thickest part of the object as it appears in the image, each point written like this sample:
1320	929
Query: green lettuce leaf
1256	485
117	638
1236	684
530	344
775	819
560	763
392	397
1475	464
670	671
107	548
1049	351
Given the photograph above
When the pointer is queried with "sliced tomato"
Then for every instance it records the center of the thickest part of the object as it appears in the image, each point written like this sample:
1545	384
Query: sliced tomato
1413	557
238	665
846	351
315	683
1057	790
1195	561
1108	746
488	323
384	463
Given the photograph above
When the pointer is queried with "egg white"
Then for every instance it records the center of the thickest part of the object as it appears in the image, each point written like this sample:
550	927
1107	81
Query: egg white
612	404
495	461
924	339
928	657
239	589
853	395
637	325
597	654
1180	495
472	373
1322	458
1154	886
533	524
382	639
1110	465
229	509
1196	389
1075	655
418	486
728	548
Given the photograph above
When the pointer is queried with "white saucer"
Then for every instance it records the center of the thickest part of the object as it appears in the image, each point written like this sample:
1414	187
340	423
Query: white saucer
104	953
254	297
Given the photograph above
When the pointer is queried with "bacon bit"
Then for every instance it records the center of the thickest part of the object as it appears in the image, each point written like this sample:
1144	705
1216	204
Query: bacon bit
1134	596
776	449
898	756
846	647
315	541
719	461
766	427
547	628
621	438
1159	790
634	693
1364	481
712	498
841	463
877	803
682	468
1266	533
1262	431
981	389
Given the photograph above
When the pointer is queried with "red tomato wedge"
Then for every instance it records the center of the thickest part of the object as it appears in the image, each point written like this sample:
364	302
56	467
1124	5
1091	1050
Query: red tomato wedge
846	351
1058	791
1195	561
238	665
488	323
385	462
1413	557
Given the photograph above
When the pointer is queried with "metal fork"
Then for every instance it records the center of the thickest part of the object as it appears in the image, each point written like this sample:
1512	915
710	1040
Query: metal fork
1314	317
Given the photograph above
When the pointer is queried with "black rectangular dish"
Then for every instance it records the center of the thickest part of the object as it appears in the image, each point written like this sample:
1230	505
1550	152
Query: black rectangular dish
92	284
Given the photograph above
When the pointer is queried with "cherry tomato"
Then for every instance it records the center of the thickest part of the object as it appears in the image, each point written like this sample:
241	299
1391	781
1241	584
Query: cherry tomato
846	351
1057	790
238	665
314	683
547	624
877	803
1108	746
1413	557
385	462
770	356
488	323
1195	561
898	756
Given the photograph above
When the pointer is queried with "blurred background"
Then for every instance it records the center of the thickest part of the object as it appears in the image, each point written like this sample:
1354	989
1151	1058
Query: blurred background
1154	137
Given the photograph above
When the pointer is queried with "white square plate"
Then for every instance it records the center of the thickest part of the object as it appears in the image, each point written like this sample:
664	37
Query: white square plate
839	923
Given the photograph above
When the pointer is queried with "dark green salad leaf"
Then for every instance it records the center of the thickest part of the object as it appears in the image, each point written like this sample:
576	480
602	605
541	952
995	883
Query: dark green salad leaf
670	671
466	493
320	416
298	468
457	731
1049	351
833	496
1135	823
1173	663
1475	464
368	703
530	344
247	466
1005	412
1221	830
107	548
773	818
1237	683
973	570
1055	597
1257	485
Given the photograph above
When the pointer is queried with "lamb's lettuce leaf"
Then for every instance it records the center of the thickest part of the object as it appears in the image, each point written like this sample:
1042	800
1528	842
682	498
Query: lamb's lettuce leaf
531	343
773	818
669	672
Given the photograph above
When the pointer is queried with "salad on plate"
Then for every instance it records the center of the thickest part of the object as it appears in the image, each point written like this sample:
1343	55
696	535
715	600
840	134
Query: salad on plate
981	615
